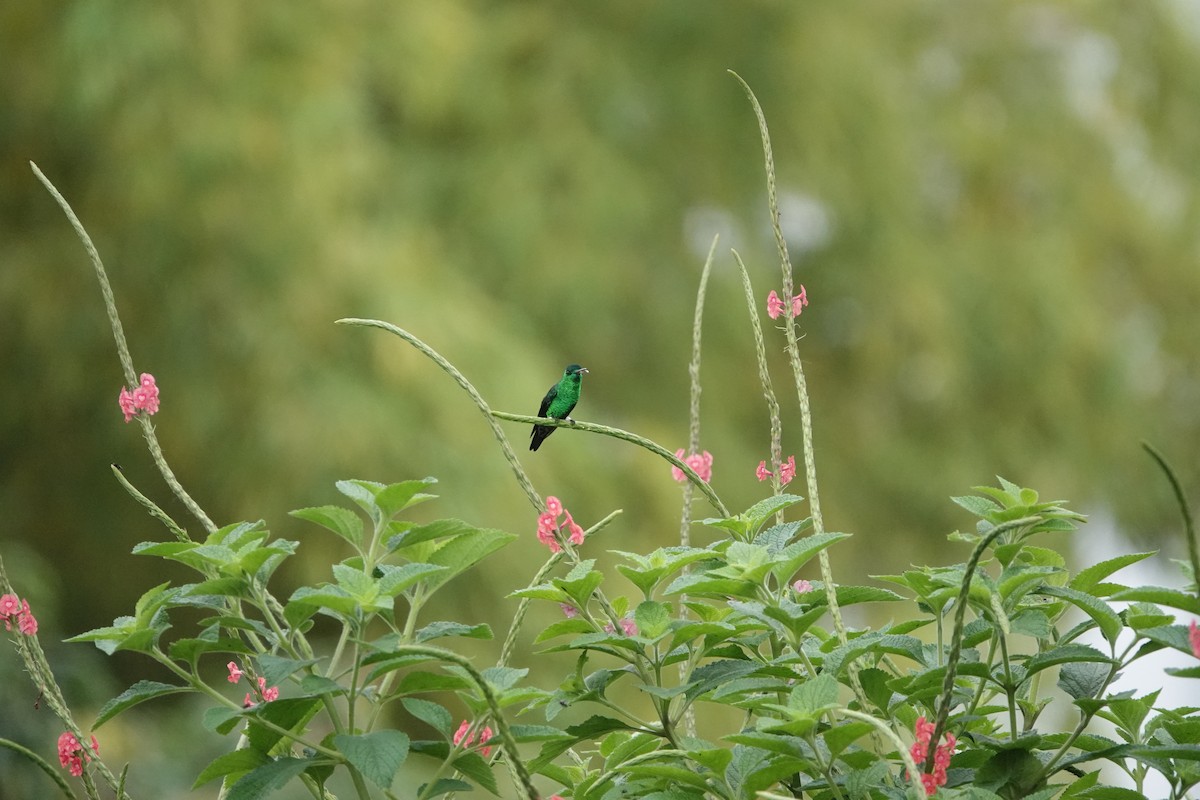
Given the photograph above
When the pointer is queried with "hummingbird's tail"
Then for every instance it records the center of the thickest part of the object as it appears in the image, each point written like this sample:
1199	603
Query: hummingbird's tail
538	435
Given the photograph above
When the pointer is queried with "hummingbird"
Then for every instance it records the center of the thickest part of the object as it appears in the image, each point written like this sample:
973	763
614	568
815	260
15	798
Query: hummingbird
558	402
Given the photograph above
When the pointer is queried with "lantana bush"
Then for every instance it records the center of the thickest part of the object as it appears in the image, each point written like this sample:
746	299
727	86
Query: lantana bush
725	675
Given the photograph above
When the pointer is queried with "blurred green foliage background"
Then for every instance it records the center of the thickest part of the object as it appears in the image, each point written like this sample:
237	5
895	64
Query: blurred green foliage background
993	207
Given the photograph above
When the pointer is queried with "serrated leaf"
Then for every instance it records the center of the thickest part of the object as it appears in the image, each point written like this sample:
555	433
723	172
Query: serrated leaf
241	760
979	506
1171	598
652	619
342	521
376	755
396	579
432	714
1107	620
262	781
474	767
139	692
1065	654
438	630
1089	578
276	669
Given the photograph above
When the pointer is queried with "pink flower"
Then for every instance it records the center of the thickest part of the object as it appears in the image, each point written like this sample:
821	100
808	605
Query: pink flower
143	398
569	611
267	694
125	400
762	473
802	587
774	305
10	604
247	701
484	736
700	463
799	302
461	732
235	674
941	756
554	506
26	622
71	753
628	627
787	471
1194	639
573	527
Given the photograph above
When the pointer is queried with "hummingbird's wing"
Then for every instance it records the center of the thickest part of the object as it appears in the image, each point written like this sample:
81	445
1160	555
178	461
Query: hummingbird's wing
547	400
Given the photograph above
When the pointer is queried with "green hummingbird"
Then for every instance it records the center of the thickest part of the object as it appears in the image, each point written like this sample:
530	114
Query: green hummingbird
558	402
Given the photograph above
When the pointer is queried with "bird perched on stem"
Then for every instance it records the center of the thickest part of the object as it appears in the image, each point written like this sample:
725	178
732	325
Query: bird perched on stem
558	402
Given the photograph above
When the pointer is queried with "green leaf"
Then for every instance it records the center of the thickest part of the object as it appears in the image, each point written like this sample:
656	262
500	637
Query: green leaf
437	630
432	714
264	780
231	763
290	714
757	514
845	734
800	552
595	726
1089	578
396	579
1083	679
1106	619
444	786
332	598
1065	654
712	675
277	669
139	692
398	496
979	506
564	627
221	719
363	493
376	755
815	696
1171	598
652	619
464	551
474	767
342	521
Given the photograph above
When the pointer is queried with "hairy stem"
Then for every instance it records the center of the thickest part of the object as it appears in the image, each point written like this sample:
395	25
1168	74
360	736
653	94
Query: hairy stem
131	379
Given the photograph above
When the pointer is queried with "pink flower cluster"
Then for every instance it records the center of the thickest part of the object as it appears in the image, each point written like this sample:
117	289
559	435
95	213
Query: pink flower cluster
549	528
1194	639
941	756
13	607
72	755
628	627
700	463
484	736
267	695
776	305
787	471
802	587
142	398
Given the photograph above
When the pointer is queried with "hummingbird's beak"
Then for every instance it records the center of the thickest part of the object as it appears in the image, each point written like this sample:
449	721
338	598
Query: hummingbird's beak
584	369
